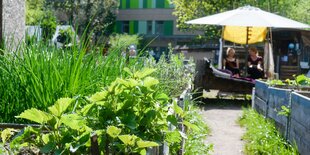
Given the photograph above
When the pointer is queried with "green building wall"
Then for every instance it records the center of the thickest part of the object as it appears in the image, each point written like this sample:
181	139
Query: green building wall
140	27
146	4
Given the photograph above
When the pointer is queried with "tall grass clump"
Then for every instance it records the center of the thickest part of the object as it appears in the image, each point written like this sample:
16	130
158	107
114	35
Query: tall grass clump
262	137
171	72
36	75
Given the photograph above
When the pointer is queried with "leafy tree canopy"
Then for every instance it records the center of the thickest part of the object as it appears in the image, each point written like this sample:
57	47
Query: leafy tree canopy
34	11
95	17
187	10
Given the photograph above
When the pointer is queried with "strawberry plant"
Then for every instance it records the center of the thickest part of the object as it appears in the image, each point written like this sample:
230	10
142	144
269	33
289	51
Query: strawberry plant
128	116
61	131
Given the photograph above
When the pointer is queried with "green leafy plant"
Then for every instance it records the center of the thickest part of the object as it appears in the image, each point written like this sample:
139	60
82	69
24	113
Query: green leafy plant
285	111
60	131
275	82
42	74
262	137
172	73
135	105
300	80
128	116
196	132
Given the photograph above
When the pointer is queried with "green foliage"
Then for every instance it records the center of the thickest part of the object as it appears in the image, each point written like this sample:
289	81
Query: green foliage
132	112
41	75
197	130
171	73
299	10
94	18
300	80
275	82
128	110
66	130
285	111
48	24
135	105
38	13
123	40
187	10
34	11
262	137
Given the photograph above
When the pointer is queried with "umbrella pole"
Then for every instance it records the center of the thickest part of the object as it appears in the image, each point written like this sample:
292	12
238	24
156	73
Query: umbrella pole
246	50
220	58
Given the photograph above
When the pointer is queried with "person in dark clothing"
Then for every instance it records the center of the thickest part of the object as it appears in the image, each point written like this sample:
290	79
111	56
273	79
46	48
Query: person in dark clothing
255	64
231	63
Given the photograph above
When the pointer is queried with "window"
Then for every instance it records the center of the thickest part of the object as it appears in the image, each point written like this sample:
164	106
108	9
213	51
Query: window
160	3
159	27
125	27
149	29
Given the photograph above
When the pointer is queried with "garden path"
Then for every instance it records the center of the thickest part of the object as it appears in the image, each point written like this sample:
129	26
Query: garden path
225	132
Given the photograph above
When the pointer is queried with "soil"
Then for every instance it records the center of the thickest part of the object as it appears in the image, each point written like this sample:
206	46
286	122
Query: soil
226	134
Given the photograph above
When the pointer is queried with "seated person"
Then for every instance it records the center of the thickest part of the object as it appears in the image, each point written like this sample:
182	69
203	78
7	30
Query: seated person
255	64
231	63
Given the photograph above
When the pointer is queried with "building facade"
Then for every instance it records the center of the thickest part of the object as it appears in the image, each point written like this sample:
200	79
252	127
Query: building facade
153	20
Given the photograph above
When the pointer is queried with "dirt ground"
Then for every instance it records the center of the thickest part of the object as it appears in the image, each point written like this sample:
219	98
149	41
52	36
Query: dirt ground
225	132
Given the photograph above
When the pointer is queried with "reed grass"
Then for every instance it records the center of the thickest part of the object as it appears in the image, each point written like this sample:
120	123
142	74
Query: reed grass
36	75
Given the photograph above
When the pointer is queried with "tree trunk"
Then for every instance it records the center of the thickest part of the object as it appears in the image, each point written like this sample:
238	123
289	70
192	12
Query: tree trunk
1	26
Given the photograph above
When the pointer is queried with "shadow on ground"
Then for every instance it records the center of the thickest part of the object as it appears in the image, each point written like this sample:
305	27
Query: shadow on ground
207	104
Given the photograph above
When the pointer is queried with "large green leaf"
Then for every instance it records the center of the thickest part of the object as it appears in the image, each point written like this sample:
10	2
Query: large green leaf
128	139
143	144
177	109
191	126
35	115
162	96
113	131
46	138
144	72
143	152
60	106
302	80
49	143
130	121
7	134
150	81
86	108
132	82
173	136
127	70
98	96
47	148
173	120
73	121
82	140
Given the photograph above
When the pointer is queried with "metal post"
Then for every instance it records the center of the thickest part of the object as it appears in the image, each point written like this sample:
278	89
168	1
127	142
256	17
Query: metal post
220	58
246	50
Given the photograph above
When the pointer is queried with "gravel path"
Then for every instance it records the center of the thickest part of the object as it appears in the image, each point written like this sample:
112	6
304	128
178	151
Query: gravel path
225	132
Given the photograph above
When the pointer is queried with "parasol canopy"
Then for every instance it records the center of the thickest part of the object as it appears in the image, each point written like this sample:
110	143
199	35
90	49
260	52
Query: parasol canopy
247	25
248	16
